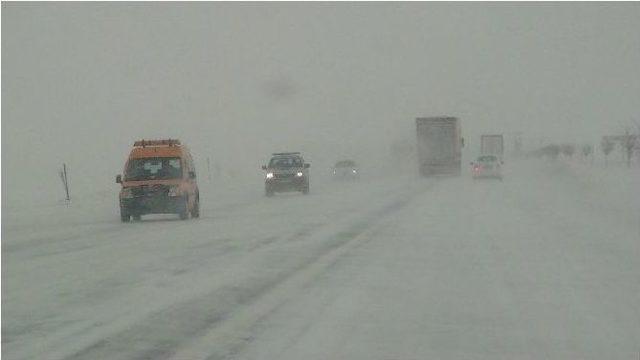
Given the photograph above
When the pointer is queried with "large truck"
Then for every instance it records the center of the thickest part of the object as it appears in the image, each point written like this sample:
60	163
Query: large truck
439	145
492	145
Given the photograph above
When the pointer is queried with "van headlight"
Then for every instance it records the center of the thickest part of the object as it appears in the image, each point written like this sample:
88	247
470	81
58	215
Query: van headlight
174	191
126	193
299	174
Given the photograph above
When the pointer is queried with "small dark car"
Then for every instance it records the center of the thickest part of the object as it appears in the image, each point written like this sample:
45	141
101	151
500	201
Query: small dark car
346	169
286	172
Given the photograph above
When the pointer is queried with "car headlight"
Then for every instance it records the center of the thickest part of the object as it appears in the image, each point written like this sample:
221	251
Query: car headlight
269	175
299	174
354	171
126	193
174	191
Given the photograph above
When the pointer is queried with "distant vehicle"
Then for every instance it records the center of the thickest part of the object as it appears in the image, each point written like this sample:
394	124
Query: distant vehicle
487	166
286	172
346	169
439	145
492	145
159	178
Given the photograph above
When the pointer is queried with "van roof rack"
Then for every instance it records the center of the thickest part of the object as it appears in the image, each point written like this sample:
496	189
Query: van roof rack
167	142
287	153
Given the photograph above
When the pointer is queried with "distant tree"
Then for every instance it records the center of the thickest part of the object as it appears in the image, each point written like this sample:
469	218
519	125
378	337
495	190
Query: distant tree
553	151
587	150
568	150
628	144
607	146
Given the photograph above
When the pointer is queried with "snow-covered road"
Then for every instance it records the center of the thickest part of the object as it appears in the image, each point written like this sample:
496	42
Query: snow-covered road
544	265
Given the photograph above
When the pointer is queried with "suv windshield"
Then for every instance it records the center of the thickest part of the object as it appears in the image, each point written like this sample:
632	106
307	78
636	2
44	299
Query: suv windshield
285	162
154	169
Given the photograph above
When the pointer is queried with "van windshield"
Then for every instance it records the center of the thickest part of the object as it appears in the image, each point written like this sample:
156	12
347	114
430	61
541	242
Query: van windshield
158	168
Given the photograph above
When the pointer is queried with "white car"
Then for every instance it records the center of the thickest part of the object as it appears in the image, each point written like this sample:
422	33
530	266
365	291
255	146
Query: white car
487	166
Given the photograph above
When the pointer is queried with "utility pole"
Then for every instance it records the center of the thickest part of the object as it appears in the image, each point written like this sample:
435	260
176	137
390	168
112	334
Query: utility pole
65	182
209	169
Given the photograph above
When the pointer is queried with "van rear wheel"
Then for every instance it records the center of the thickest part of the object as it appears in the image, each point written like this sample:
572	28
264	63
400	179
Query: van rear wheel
195	213
184	210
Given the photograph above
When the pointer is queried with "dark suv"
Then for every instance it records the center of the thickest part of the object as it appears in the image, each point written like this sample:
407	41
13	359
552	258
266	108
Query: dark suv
286	172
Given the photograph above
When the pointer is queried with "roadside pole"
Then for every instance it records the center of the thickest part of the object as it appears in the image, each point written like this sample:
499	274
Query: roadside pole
65	182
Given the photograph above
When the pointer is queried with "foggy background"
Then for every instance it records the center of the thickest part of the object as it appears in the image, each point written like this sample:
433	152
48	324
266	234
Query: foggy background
237	81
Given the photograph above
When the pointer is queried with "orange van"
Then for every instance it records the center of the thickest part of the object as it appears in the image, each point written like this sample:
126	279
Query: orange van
159	178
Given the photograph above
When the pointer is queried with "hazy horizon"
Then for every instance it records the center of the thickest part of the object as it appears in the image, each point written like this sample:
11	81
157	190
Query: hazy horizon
237	81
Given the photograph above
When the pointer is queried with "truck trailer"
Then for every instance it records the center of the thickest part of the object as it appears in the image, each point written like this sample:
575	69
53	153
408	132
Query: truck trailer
492	145
439	145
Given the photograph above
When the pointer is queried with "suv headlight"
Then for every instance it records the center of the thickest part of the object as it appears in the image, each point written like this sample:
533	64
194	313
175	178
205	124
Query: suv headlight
299	174
270	175
174	191
126	193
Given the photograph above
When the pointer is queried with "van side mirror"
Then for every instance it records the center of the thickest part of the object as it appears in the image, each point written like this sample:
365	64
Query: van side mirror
306	166
118	179
192	174
264	167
